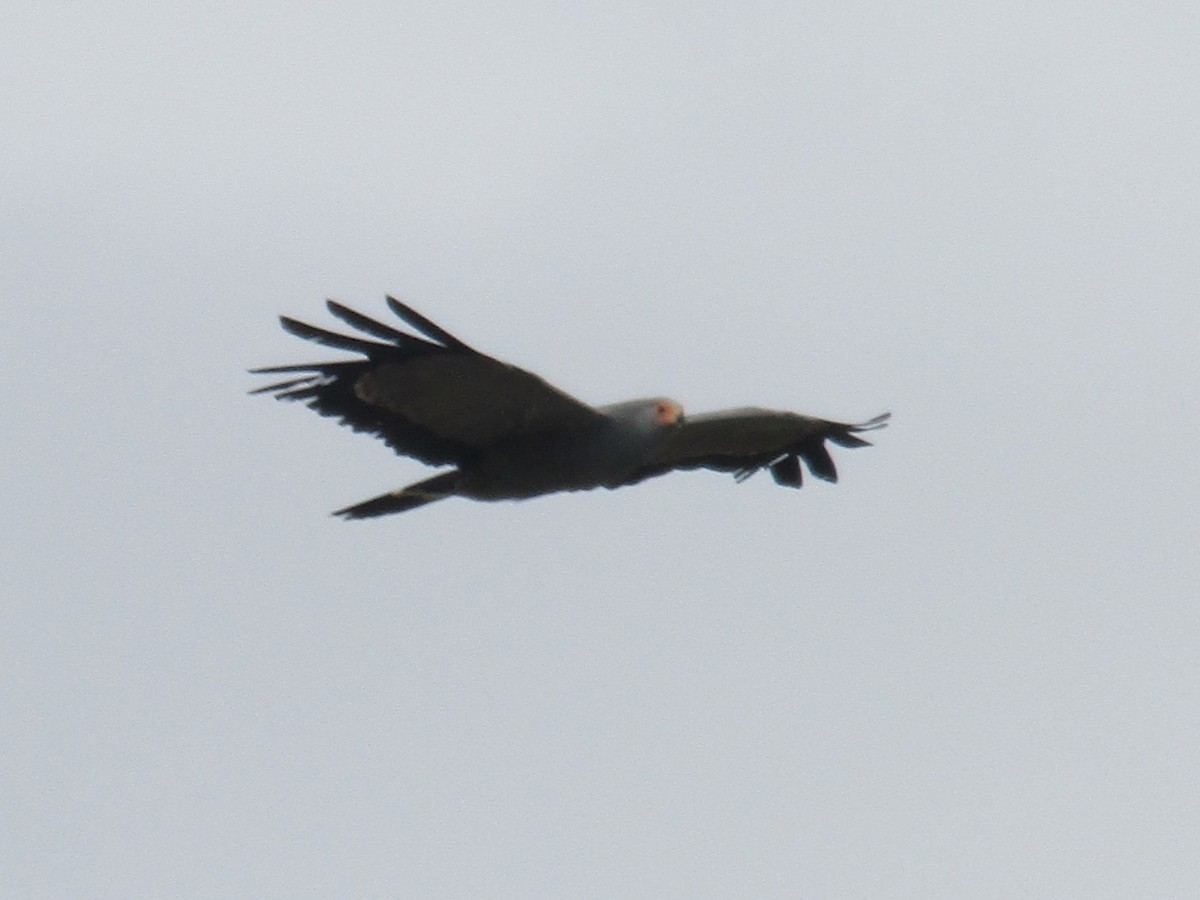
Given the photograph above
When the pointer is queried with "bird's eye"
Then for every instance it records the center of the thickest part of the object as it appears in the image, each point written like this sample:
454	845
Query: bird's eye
666	413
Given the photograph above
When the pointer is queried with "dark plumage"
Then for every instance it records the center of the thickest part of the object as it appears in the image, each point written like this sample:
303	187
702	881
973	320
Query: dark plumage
510	435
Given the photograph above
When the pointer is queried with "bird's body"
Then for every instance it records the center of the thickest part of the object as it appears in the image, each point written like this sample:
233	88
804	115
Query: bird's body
589	457
510	435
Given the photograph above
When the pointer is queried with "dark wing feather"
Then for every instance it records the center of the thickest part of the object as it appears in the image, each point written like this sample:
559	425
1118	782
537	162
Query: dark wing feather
786	472
437	400
742	441
374	328
423	325
436	488
329	338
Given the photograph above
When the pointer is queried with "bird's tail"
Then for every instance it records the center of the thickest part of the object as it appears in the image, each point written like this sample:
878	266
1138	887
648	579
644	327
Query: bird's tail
437	488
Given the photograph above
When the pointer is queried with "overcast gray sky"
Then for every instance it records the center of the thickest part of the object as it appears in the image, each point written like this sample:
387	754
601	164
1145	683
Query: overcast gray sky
968	670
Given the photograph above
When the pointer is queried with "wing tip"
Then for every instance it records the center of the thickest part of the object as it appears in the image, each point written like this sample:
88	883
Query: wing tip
873	424
424	325
439	487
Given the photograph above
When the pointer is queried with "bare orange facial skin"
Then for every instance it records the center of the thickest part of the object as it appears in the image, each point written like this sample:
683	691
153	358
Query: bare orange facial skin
668	413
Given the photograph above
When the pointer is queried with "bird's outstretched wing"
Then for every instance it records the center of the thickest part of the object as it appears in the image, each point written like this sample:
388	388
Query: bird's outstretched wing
742	441
433	397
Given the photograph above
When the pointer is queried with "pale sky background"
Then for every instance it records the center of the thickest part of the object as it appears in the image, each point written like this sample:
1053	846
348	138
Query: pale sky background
970	669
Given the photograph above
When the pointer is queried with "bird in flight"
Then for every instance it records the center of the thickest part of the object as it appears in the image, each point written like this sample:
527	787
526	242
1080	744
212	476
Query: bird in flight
511	435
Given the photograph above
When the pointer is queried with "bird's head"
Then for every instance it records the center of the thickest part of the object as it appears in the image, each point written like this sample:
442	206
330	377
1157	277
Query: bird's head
667	412
652	414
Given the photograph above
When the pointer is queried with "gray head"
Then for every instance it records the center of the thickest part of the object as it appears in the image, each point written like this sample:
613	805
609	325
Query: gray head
649	414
